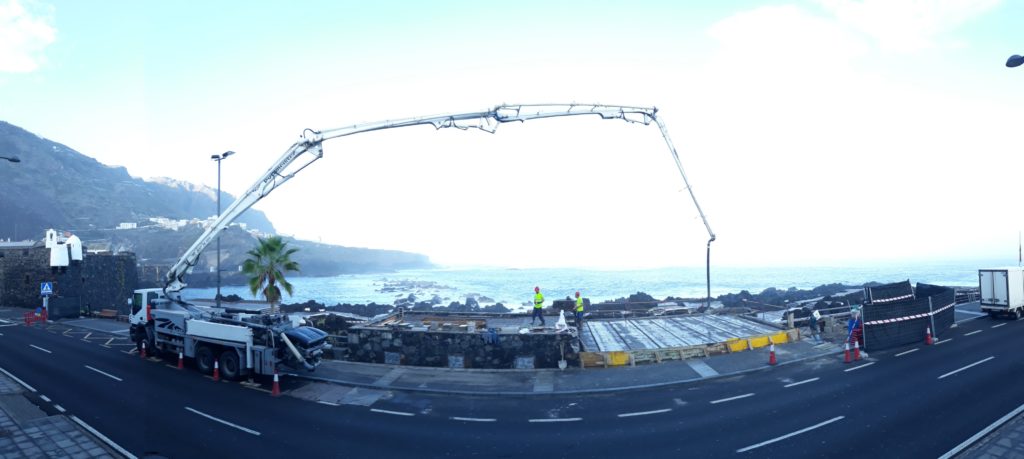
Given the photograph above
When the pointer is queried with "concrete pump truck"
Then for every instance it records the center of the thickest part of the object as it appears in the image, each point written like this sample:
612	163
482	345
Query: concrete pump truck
244	343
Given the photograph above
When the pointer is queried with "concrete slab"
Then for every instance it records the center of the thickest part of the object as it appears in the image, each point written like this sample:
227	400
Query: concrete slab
667	332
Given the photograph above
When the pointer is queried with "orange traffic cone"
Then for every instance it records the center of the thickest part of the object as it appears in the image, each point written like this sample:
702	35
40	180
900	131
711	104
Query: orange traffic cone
142	353
771	355
216	371
276	390
846	353
856	350
928	336
181	360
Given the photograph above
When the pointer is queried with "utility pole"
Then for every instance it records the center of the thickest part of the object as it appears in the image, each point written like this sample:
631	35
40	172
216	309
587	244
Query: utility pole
218	159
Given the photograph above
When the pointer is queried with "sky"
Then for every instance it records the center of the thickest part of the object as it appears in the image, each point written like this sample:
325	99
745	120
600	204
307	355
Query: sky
814	133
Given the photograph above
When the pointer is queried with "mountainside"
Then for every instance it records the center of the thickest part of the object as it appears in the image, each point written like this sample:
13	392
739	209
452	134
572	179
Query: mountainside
55	186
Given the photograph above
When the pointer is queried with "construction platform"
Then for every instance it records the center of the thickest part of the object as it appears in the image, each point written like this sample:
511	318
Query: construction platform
653	339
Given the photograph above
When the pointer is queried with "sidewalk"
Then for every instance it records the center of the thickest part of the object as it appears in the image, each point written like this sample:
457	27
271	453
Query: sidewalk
553	381
27	432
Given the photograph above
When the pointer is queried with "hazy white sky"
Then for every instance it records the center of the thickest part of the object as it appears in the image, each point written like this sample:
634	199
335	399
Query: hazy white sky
825	132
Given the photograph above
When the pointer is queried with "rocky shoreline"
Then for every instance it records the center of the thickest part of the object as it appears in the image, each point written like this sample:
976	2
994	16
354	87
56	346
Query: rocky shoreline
639	303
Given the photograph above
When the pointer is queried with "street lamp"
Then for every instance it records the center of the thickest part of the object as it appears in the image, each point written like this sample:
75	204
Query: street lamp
1015	61
13	159
219	158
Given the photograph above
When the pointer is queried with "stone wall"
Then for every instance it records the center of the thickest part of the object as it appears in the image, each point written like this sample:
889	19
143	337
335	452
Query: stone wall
100	281
461	349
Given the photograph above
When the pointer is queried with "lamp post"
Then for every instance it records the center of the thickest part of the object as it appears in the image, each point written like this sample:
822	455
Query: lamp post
13	159
1015	61
218	159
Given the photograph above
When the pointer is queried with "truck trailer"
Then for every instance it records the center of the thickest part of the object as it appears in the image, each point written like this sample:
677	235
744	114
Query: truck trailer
1002	291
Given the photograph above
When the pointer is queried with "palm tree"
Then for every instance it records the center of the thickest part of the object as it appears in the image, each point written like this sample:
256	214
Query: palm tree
266	266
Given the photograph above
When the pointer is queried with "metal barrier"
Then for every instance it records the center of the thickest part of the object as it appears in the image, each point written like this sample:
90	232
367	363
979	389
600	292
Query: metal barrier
32	317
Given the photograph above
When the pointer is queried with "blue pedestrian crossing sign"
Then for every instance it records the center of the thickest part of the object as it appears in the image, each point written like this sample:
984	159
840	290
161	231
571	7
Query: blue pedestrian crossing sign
46	288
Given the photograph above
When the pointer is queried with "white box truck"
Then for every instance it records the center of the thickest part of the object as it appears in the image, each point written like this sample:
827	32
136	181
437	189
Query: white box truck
1002	291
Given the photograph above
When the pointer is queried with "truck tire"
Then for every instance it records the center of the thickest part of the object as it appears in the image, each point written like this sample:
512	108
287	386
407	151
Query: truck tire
230	368
204	359
1016	313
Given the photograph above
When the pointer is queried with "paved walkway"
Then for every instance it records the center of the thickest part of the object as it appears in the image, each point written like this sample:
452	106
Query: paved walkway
570	380
27	432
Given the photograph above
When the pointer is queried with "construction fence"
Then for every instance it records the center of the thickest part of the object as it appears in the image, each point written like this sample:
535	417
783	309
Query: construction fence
899	315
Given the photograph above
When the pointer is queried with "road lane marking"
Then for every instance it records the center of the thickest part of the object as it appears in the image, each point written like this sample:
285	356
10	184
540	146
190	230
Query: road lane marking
732	398
458	418
968	366
324	403
60	408
556	420
943	341
999	325
104	373
645	413
86	337
974	313
212	418
859	367
106	440
983	432
108	342
792	434
396	413
801	382
973	332
23	383
45	398
41	349
907	352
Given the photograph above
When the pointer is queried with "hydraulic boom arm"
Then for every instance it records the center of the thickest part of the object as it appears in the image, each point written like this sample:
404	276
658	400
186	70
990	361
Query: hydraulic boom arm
309	148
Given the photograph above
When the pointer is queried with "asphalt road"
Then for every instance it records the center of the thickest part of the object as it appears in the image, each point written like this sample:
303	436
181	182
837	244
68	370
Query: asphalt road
917	401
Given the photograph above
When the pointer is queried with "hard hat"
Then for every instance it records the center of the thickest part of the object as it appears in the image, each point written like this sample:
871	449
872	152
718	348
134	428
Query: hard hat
536	289
577	294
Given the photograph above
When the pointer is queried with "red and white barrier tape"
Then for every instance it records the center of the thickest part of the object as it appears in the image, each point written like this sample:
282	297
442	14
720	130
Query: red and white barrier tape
915	316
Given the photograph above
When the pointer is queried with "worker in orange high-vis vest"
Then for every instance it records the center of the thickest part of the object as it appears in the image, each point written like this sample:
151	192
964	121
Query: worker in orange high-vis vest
538	306
579	310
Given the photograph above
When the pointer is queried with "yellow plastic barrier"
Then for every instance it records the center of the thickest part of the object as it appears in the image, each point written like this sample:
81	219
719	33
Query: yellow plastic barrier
758	341
736	344
618	358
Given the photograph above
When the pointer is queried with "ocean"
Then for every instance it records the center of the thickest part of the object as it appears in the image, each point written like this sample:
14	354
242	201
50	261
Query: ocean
514	287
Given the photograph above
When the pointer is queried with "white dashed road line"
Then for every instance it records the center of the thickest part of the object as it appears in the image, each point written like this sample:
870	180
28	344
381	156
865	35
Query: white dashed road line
396	413
243	429
732	398
645	413
943	341
973	332
859	367
45	398
458	418
968	366
801	382
59	408
792	434
41	349
999	325
556	420
324	403
907	352
104	373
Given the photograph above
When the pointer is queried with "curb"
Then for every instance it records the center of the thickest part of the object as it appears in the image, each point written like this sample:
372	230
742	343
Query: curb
603	390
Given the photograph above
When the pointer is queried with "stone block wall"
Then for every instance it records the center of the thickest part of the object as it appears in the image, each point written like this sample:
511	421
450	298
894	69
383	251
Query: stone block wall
100	281
474	350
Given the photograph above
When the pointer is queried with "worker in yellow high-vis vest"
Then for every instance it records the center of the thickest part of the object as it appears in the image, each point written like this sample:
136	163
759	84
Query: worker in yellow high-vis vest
538	306
579	310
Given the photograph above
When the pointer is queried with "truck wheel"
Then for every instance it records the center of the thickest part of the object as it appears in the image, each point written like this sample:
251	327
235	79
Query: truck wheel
229	367
1016	313
204	359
